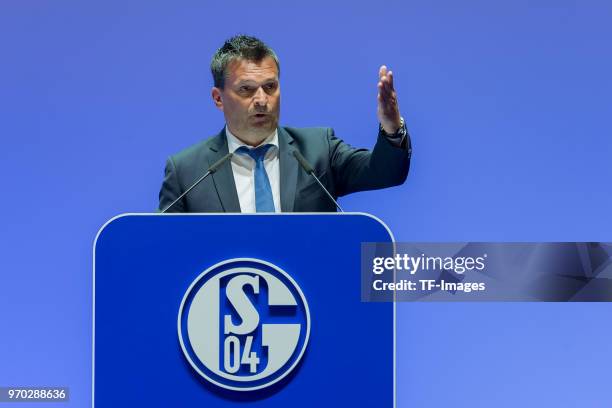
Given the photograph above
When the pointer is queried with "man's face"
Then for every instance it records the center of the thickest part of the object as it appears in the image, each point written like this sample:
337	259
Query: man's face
250	100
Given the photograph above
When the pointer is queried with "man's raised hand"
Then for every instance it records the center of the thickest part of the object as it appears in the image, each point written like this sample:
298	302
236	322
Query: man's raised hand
388	109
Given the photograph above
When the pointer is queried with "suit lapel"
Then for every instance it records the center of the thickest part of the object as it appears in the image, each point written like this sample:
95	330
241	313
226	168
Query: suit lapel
224	177
288	170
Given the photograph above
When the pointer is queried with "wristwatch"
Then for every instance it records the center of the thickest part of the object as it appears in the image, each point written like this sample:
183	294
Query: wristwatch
399	138
400	133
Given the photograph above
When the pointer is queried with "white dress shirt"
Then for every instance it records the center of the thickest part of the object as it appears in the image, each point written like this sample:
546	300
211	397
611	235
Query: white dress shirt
243	167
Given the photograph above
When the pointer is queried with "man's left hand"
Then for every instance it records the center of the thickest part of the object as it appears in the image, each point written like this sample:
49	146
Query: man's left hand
388	110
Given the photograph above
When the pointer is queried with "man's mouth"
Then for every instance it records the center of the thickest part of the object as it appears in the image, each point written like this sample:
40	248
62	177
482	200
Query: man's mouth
260	117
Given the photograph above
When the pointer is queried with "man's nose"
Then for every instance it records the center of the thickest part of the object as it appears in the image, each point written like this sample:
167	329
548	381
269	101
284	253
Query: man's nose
260	97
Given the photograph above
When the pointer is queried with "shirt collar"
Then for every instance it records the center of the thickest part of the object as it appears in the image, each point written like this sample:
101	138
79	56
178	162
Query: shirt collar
233	143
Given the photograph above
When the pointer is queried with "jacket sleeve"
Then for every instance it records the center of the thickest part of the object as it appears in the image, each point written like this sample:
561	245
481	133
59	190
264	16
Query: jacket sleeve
170	189
360	169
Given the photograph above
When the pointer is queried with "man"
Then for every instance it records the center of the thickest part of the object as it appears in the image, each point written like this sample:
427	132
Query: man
263	175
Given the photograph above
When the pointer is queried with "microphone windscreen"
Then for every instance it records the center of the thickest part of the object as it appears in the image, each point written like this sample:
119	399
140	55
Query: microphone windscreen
219	162
305	165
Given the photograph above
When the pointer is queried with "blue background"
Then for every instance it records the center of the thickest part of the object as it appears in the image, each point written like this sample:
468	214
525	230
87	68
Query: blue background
508	103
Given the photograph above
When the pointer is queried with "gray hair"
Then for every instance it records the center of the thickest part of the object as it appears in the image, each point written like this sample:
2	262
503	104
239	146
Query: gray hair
239	47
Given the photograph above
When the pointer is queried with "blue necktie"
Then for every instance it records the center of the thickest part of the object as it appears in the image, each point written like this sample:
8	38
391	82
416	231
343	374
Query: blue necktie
263	192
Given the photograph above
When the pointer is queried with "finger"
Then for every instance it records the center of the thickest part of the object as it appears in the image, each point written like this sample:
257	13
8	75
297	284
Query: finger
387	104
388	82
385	90
384	99
384	83
383	95
382	71
386	79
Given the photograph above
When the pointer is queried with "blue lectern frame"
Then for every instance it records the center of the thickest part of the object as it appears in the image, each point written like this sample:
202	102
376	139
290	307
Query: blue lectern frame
144	263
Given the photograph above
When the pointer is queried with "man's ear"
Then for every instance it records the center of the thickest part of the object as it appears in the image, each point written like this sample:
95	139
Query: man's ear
216	95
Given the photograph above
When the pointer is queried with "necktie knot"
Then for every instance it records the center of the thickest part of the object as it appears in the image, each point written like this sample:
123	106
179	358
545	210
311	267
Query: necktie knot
257	153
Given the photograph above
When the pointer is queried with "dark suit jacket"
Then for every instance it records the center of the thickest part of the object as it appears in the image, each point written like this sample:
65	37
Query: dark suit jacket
341	168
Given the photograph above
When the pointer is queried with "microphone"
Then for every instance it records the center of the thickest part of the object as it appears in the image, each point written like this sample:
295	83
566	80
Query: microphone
308	169
215	166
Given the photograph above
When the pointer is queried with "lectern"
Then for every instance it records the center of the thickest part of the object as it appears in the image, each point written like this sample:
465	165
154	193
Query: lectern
228	310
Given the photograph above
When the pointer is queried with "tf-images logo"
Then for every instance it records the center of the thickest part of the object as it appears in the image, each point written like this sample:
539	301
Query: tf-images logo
244	324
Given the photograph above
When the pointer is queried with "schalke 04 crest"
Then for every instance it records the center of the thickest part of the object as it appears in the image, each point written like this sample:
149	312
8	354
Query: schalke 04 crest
244	324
